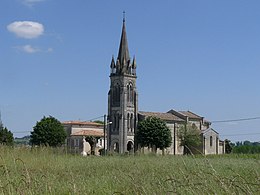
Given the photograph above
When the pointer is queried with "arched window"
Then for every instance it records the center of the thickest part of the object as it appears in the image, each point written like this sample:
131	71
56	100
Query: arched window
132	122
128	121
116	94
130	94
210	141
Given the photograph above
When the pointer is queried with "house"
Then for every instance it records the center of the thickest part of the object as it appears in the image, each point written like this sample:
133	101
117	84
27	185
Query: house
78	131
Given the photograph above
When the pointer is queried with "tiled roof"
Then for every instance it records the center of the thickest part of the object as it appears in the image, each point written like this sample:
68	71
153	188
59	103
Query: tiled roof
81	123
163	116
190	114
89	133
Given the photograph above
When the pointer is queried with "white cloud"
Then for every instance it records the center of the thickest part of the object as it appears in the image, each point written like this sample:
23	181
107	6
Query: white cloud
26	29
31	49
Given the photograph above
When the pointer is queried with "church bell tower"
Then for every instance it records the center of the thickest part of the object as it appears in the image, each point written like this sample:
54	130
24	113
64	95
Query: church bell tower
122	100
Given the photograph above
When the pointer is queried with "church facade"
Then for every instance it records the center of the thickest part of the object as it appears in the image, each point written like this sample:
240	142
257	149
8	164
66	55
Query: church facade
123	111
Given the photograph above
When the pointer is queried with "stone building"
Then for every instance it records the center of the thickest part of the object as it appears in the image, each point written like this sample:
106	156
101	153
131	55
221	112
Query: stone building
77	131
122	99
175	119
123	110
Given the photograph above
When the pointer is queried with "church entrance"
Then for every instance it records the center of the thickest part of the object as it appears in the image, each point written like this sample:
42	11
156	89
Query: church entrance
130	146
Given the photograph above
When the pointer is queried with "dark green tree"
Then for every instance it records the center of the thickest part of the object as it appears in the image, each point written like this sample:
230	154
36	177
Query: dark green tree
190	138
48	132
153	132
246	149
6	136
228	146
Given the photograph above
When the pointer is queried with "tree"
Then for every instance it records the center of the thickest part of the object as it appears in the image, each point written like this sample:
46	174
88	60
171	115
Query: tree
228	146
48	132
189	136
153	132
6	136
245	147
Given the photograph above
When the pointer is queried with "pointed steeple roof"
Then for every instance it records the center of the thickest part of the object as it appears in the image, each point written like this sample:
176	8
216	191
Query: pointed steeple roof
123	53
134	63
113	64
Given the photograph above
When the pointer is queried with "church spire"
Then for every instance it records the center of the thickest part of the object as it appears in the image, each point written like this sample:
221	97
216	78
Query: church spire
123	53
122	100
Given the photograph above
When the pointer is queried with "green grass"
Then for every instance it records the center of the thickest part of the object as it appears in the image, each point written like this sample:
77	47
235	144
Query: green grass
45	171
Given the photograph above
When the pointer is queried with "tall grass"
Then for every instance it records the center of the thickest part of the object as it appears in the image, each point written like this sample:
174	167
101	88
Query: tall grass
47	171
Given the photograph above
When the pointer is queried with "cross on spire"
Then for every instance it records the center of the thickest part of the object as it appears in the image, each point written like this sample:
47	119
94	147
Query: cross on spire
123	16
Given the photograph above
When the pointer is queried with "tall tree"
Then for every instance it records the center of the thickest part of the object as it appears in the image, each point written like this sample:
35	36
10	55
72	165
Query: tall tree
153	132
189	136
6	136
48	132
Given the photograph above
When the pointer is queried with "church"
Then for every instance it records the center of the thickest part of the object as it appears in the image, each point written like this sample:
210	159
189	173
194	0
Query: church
123	113
118	134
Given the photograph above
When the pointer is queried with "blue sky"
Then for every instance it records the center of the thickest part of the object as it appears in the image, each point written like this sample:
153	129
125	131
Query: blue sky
198	55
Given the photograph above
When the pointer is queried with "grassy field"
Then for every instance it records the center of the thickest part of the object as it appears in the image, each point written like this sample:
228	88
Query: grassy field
45	171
